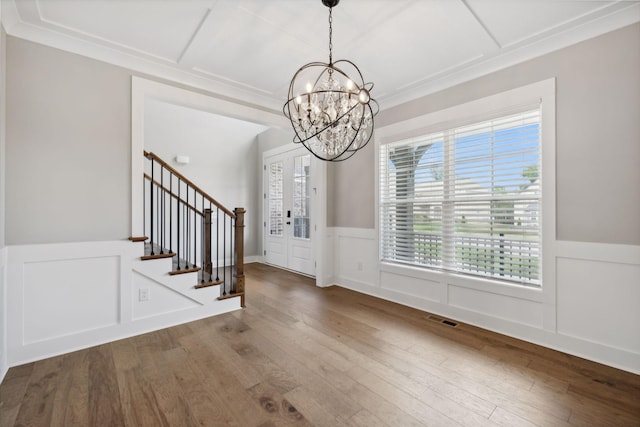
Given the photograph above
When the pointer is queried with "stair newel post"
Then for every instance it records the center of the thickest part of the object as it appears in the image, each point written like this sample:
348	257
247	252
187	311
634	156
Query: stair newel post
151	214
202	247
239	252
232	254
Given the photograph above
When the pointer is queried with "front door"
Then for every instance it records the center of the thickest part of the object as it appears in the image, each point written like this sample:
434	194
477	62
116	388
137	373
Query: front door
289	194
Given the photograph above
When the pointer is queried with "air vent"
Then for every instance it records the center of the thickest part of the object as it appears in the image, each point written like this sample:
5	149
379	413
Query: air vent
443	321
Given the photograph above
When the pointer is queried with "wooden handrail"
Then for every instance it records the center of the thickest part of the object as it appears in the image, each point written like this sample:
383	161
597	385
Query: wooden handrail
166	190
150	155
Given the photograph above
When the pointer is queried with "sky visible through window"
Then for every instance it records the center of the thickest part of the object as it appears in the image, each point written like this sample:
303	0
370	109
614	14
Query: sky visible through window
514	167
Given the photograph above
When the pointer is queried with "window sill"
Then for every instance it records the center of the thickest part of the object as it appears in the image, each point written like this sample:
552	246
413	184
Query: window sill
498	287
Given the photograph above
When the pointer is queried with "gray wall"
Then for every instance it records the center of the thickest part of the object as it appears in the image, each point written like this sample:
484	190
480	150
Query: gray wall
3	301
350	190
68	143
221	151
598	138
68	147
3	128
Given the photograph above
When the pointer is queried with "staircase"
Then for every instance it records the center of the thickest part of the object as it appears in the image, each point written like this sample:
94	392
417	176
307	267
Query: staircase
192	244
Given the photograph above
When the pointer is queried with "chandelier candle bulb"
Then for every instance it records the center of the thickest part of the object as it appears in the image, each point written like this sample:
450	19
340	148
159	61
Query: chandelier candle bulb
331	123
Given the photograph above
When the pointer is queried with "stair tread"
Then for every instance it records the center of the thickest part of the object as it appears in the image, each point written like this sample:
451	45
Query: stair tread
184	270
207	284
231	295
204	280
157	256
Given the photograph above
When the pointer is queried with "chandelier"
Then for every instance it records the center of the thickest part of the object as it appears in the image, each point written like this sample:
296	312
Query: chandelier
330	106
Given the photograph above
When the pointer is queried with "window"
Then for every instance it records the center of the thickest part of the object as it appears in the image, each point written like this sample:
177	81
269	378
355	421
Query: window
301	197
276	198
466	199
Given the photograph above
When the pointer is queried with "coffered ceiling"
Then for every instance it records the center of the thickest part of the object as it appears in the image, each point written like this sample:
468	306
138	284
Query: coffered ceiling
250	49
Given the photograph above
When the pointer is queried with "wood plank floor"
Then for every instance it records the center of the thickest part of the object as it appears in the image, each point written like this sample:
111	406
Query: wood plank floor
300	355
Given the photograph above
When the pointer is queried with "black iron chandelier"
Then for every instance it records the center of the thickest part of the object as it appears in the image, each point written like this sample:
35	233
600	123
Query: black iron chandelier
330	106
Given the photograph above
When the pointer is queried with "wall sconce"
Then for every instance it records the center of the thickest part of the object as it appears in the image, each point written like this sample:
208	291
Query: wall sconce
182	160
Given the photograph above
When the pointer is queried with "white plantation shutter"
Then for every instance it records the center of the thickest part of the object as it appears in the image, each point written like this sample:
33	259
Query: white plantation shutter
466	199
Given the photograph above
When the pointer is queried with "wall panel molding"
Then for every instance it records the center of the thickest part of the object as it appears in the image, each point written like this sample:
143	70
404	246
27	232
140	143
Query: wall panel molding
69	296
4	366
596	303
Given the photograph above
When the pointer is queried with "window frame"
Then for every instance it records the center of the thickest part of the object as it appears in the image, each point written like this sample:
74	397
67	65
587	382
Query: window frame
451	195
478	110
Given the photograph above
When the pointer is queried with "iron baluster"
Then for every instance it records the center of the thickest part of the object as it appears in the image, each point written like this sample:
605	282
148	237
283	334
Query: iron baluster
224	256
170	212
218	246
144	207
161	201
187	240
151	208
195	228
178	226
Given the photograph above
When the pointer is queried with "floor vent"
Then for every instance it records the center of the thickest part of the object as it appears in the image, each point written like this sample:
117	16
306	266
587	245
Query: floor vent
450	323
443	321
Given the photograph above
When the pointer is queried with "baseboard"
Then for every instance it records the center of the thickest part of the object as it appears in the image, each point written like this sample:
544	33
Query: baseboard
589	308
253	258
3	373
617	358
62	345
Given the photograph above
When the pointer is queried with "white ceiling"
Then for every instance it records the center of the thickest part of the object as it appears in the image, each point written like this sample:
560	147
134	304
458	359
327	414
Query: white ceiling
250	49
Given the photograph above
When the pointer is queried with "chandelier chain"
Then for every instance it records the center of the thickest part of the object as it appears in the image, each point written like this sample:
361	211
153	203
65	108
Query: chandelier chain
330	36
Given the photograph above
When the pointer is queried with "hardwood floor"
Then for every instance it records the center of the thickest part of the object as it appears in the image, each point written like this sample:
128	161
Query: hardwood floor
300	355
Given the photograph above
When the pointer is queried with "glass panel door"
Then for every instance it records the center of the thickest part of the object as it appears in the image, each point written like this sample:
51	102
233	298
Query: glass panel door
301	197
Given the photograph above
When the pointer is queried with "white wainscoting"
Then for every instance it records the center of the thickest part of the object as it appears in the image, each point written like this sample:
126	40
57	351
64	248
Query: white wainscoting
64	297
592	310
4	366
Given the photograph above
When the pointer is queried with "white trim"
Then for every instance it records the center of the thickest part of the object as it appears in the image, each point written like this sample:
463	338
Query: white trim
438	293
617	15
541	92
320	244
511	56
123	257
604	252
252	258
466	113
4	329
133	60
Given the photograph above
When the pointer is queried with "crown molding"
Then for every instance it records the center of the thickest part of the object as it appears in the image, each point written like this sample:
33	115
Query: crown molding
626	14
618	15
137	63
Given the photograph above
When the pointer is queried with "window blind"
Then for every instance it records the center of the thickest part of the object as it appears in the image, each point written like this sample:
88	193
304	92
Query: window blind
466	199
